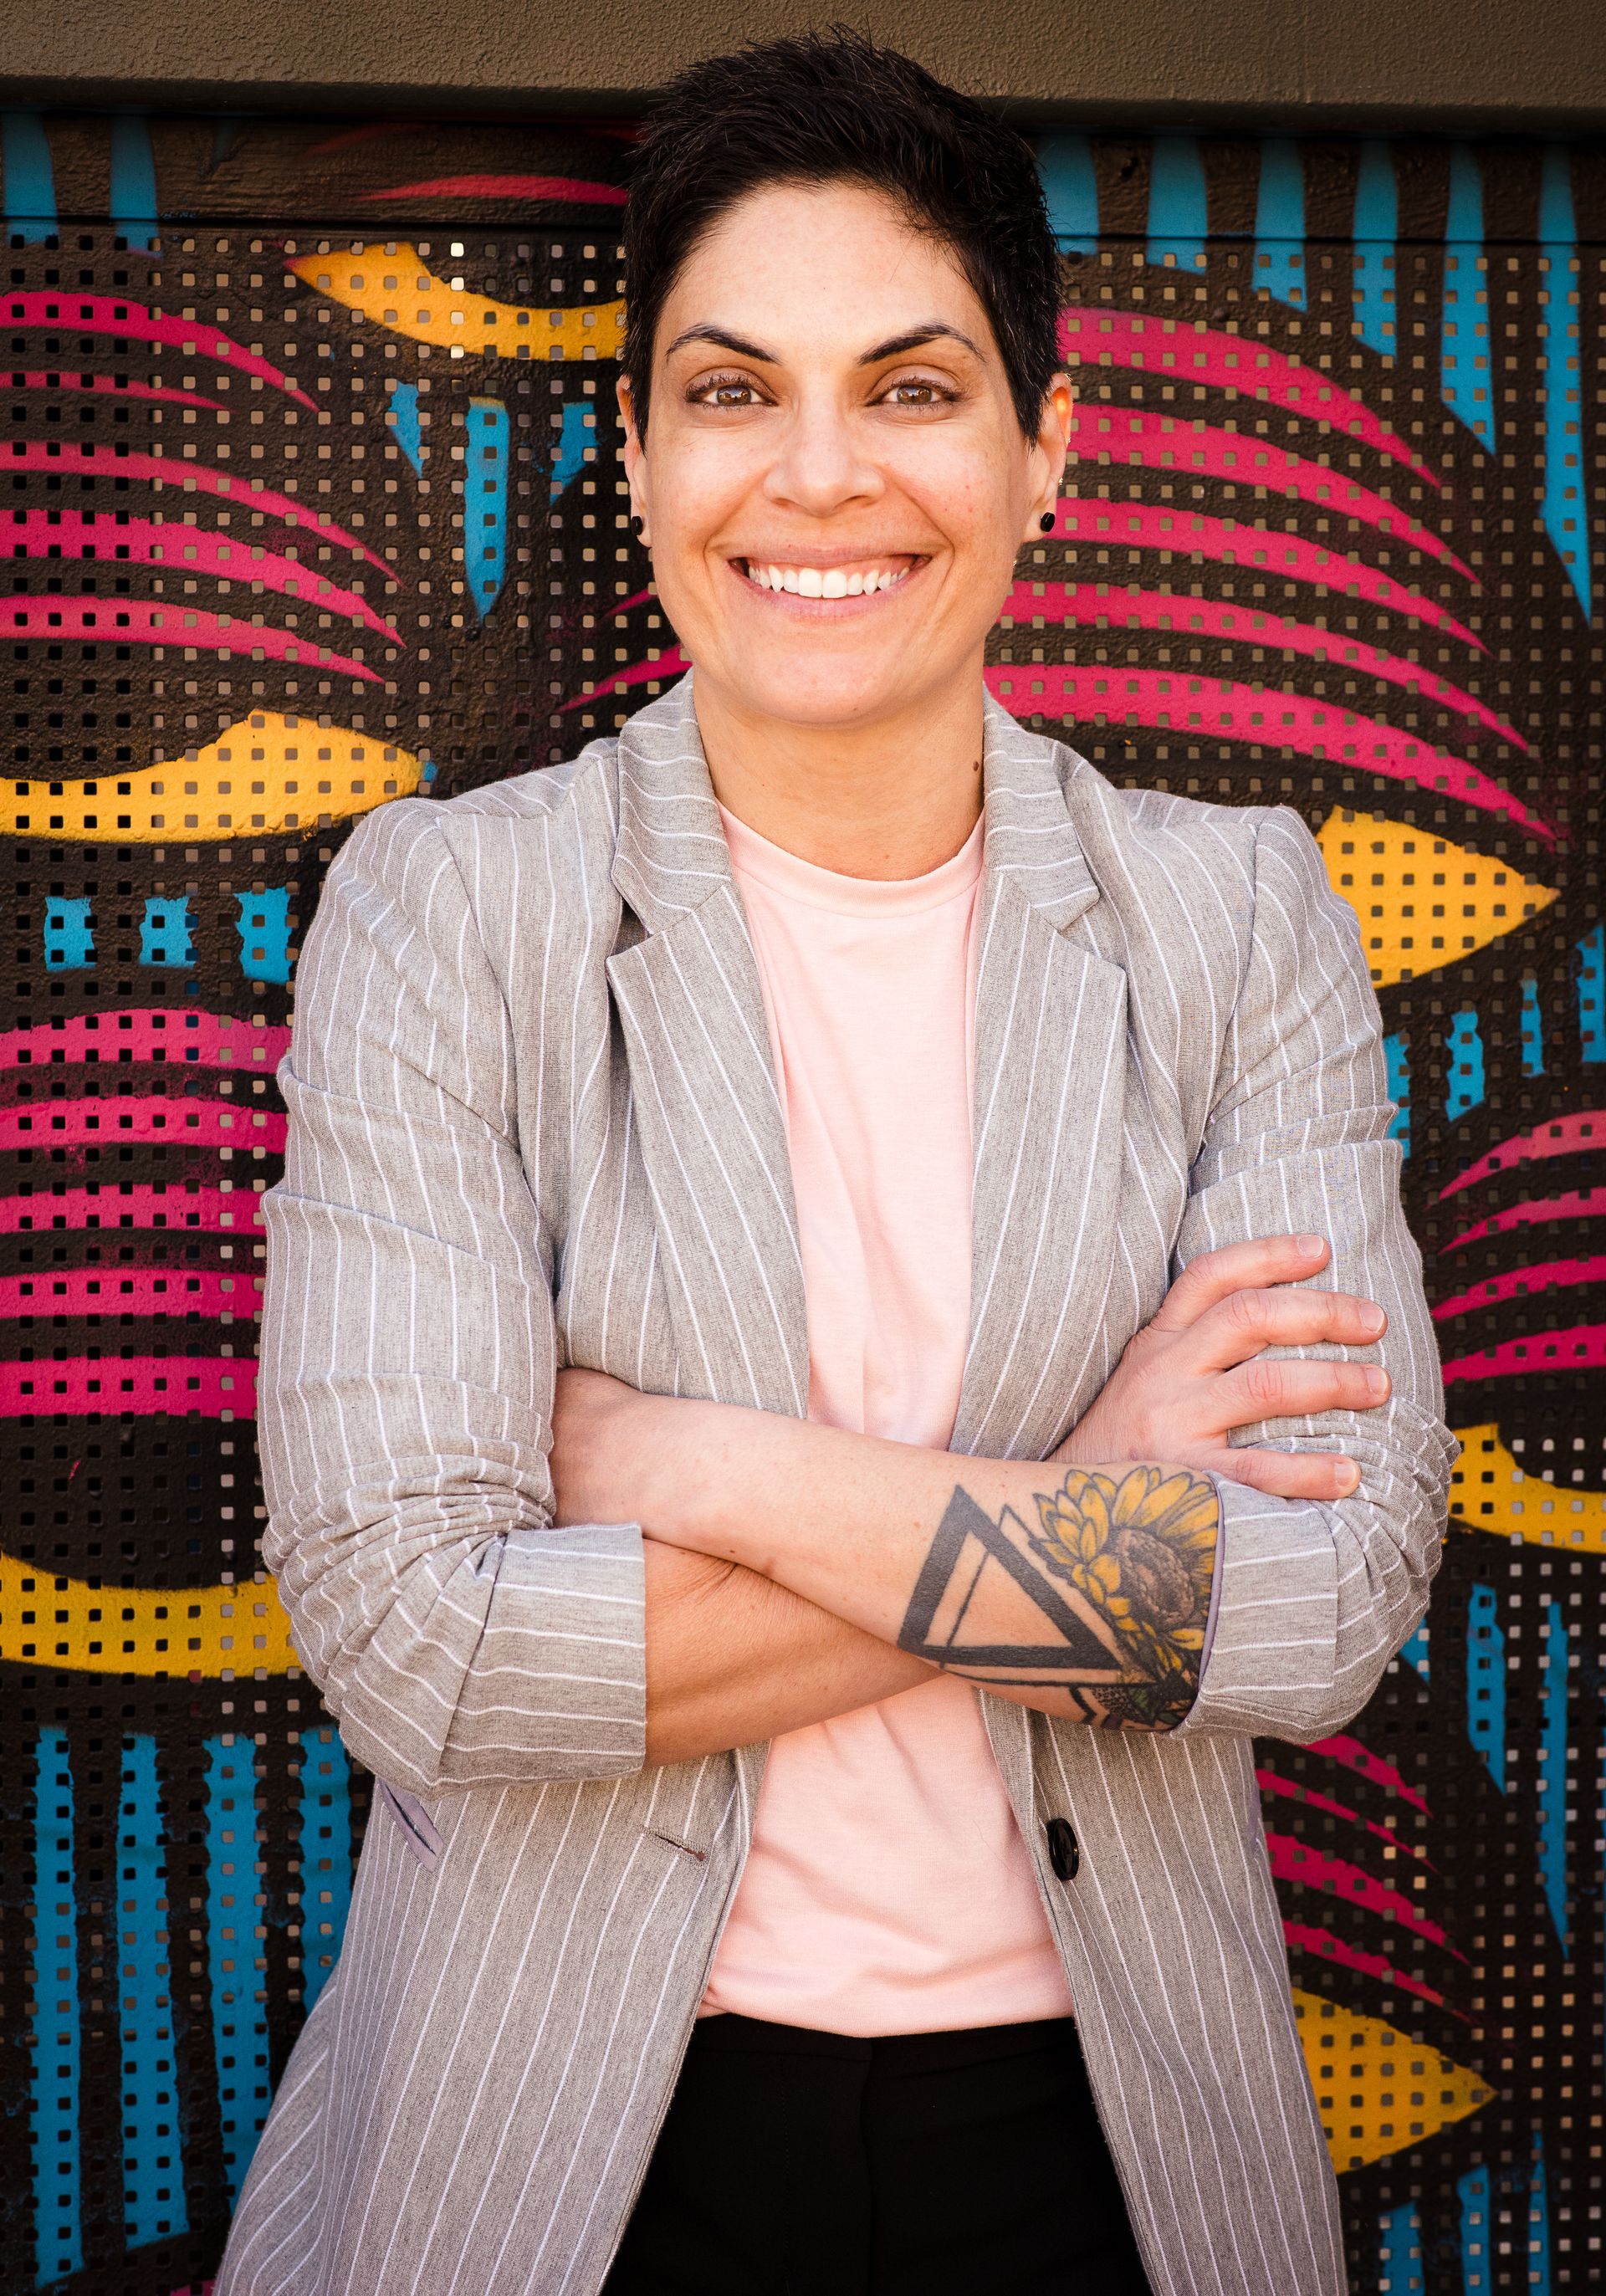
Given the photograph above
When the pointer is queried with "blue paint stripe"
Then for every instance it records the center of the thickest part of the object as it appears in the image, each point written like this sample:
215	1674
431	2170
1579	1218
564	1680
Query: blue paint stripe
1536	2280
1468	1081
1376	231
1592	994
1179	221
1566	486
1464	359
263	926
238	2002
1279	220
153	2198
132	181
1552	1771
1533	1028
1415	1652
1397	1061
576	437
1477	2271
30	183
485	502
325	1856
58	2022
1486	1682
1400	2248
407	428
69	939
164	932
1070	190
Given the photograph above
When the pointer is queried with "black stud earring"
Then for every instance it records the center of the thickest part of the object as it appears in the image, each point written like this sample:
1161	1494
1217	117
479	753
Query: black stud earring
1046	522
637	523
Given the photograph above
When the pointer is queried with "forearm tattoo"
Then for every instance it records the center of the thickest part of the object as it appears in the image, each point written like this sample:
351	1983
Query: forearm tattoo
1103	1603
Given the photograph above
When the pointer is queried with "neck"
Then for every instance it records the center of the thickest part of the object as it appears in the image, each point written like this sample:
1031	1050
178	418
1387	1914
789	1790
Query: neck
893	798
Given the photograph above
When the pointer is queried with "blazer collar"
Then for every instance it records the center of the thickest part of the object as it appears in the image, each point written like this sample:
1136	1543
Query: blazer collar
670	853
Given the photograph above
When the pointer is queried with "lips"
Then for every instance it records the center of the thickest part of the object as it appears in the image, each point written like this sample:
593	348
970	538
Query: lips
859	578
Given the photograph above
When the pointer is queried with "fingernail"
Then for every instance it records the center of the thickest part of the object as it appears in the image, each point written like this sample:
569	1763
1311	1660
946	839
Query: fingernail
1349	1475
1373	1319
1309	1243
1377	1379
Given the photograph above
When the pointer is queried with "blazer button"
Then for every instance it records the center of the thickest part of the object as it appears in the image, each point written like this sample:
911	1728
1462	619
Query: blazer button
1063	1854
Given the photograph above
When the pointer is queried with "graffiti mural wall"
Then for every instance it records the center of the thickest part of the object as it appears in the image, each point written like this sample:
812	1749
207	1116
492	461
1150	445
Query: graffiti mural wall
312	502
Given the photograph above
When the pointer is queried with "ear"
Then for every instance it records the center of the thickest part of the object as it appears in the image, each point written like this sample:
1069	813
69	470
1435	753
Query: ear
1050	450
634	455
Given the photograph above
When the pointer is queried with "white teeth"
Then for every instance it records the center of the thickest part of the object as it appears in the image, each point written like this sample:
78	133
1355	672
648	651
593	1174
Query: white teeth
817	582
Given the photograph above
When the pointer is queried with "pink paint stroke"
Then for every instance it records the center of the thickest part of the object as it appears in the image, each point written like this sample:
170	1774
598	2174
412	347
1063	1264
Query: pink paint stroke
1270	1782
107	315
574	188
141	1116
1305	1937
636	598
1094	604
201	477
1223	709
124	1291
1163	442
136	621
1195	534
1315	1869
1559	1135
1534	1211
147	1032
671	663
1581	1347
115	386
129	1207
1227	362
1548	1276
97	1386
112	540
1351	1755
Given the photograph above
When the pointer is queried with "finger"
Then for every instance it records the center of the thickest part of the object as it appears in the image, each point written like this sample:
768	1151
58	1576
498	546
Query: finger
1258	1260
1245	1322
1290	1474
1291	1387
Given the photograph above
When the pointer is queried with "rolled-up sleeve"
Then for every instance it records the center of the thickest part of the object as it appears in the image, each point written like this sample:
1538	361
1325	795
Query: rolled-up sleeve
408	1358
1312	1599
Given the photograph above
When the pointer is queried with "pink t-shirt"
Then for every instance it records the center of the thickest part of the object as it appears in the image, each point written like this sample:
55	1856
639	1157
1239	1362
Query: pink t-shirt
887	1889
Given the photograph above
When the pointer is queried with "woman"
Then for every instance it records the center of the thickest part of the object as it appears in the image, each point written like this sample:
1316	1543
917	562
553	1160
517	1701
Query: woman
838	1333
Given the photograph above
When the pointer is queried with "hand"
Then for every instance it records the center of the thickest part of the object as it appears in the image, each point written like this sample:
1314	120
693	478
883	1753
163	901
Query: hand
1192	1374
615	1453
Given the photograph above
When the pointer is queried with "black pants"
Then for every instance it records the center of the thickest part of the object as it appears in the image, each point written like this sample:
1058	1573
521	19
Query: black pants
795	2163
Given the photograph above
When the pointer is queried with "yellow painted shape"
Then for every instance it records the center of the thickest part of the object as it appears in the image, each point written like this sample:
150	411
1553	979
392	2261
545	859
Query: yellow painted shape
401	293
1377	2092
1422	901
51	1621
266	774
1490	1490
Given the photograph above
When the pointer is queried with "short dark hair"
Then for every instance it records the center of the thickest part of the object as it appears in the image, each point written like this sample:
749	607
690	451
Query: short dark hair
833	107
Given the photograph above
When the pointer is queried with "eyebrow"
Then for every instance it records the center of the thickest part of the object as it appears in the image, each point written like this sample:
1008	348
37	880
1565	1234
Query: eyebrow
934	330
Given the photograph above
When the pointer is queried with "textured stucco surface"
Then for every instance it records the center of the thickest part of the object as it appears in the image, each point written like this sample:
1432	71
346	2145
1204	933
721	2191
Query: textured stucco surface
1463	63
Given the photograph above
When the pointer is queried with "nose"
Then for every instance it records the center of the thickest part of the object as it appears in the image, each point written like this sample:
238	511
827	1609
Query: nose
821	467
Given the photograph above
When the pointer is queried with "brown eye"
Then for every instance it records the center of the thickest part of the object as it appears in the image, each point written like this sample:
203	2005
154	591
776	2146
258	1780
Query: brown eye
917	395
733	391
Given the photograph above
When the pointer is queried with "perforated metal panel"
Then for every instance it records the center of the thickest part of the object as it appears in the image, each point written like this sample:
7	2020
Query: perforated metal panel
313	502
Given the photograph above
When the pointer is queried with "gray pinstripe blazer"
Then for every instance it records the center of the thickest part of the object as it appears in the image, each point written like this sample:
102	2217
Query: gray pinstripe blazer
532	1122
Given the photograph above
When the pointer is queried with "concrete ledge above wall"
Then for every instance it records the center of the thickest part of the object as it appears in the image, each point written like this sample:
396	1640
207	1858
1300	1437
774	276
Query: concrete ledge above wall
1511	64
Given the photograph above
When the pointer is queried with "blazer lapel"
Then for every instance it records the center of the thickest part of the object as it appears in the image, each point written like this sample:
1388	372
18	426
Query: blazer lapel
713	1136
1051	1019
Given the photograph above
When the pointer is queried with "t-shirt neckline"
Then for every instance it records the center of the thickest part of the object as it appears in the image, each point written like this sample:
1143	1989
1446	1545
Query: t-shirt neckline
761	861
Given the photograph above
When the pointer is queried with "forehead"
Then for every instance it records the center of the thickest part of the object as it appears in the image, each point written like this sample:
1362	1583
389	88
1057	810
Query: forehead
794	265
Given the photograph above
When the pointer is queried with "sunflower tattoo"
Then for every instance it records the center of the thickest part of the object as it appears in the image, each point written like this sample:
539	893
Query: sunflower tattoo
1141	1553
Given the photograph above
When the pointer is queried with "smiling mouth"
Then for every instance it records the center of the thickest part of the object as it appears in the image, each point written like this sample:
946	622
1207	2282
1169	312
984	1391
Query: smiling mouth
863	578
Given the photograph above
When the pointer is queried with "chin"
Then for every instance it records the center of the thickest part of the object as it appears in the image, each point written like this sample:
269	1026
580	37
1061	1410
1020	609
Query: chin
796	687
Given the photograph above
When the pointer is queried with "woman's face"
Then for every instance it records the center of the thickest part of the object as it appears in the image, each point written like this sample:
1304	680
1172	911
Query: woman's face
833	480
